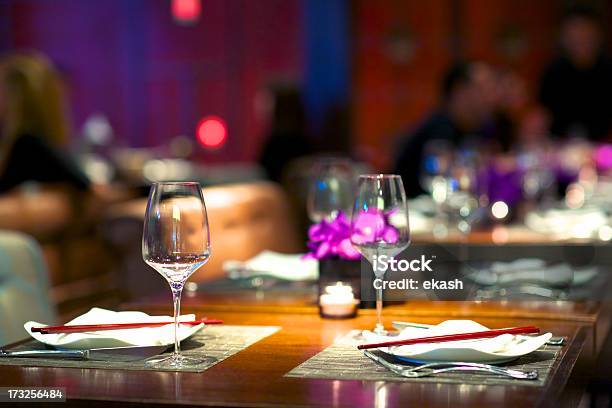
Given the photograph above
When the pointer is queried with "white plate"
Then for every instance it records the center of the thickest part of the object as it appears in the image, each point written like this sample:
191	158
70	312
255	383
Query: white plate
494	350
148	336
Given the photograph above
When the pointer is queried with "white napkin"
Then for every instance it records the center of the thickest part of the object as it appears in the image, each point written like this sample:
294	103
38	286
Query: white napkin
275	265
146	336
503	345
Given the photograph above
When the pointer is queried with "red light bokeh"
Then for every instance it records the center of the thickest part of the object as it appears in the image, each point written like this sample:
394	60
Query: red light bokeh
186	11
211	132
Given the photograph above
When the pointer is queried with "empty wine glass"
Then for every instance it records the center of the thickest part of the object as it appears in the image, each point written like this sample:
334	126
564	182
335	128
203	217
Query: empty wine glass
379	224
176	242
331	190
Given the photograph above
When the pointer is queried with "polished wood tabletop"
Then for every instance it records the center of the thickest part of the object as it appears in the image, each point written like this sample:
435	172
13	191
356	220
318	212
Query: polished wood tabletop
255	376
301	299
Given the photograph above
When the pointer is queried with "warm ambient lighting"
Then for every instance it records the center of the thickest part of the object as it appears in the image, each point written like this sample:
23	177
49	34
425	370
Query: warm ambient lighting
186	11
212	132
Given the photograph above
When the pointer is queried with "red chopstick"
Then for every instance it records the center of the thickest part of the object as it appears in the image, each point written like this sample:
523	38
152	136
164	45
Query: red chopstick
454	337
79	328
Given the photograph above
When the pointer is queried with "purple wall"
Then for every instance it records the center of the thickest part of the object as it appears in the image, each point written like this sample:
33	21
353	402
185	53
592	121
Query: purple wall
155	78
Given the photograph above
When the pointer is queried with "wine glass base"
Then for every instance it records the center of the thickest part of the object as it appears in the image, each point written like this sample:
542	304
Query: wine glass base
178	361
380	330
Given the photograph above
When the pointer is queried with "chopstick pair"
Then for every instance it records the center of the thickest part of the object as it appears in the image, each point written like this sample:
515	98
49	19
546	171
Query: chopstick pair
454	337
80	328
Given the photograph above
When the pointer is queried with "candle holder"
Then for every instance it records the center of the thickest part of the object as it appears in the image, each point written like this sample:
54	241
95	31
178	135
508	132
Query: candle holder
338	302
349	273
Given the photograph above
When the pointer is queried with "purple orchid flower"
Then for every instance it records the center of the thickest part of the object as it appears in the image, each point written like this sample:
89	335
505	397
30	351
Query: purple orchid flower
333	239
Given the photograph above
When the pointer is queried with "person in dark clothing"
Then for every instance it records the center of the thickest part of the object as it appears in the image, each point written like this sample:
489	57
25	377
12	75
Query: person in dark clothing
287	139
33	159
466	103
576	87
33	126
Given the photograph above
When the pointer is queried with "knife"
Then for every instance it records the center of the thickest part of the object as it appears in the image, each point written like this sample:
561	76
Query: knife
123	354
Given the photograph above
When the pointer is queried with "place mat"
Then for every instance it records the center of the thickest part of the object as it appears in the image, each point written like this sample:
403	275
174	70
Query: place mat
217	341
342	361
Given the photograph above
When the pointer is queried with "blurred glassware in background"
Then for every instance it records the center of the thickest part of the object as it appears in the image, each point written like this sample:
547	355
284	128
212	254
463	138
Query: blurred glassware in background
98	135
450	175
331	189
462	202
436	165
538	177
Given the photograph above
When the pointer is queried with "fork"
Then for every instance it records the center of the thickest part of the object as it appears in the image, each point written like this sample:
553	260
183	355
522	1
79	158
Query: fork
426	370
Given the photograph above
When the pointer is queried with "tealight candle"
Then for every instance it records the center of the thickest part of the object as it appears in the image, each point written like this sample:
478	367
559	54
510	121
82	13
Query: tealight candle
338	302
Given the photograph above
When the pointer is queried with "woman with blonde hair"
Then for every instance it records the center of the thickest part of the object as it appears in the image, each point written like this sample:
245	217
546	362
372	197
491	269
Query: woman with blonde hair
34	125
33	131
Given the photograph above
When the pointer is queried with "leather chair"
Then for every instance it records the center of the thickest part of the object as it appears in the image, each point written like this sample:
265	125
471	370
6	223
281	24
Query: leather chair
24	286
244	220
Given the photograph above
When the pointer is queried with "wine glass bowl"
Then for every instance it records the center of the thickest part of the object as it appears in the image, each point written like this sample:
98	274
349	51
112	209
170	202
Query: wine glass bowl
176	242
380	224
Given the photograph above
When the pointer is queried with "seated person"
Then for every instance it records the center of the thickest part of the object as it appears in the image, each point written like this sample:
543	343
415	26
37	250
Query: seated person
33	128
466	105
34	125
576	87
287	138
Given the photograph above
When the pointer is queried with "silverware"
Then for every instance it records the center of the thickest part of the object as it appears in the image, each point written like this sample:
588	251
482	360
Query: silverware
402	325
554	341
426	370
101	354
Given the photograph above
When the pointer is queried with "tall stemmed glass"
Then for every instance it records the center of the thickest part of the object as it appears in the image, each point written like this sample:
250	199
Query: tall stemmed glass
379	225
176	242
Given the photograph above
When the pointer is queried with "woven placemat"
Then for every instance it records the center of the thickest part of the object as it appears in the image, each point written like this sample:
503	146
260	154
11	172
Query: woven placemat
218	342
342	361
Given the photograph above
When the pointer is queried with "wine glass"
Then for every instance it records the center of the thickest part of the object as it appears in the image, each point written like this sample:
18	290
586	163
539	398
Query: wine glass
462	201
379	225
176	242
435	168
331	190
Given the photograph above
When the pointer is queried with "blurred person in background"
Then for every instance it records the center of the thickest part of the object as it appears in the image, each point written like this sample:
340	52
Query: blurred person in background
34	125
468	97
34	130
510	102
576	87
287	136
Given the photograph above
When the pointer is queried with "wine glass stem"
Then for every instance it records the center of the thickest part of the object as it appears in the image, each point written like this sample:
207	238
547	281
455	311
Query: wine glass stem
379	304
176	296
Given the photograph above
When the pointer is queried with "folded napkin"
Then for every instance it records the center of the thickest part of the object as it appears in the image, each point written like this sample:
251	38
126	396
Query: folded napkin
274	265
505	345
146	336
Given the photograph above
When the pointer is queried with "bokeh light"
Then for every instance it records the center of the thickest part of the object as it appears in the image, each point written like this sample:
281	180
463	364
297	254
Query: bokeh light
186	11
499	209
211	132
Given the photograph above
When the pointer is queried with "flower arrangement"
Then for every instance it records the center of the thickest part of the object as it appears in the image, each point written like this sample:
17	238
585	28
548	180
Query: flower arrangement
332	239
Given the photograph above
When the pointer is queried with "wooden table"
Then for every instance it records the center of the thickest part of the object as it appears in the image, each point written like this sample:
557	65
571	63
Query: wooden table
254	377
595	315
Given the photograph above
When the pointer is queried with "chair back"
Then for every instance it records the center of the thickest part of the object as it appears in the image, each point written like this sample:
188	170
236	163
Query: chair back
24	286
